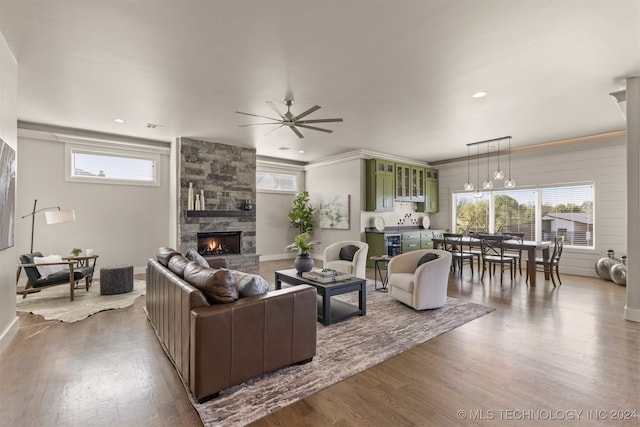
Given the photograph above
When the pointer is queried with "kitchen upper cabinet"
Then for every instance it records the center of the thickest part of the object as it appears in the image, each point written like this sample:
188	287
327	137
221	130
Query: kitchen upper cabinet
431	191
403	182
380	185
417	184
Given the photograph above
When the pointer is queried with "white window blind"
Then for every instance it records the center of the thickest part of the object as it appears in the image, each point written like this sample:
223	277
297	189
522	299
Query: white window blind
568	211
276	181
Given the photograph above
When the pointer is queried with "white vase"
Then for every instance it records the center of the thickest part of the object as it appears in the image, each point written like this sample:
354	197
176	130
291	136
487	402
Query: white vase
202	200
197	207
190	197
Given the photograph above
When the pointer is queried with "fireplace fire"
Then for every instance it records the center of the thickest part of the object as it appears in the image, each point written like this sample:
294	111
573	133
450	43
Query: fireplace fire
219	243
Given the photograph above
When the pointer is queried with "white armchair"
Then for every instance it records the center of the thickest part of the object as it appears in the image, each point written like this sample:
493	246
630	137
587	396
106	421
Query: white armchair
420	287
357	267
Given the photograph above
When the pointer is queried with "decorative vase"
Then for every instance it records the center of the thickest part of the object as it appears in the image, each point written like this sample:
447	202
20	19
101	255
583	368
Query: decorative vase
303	262
197	207
190	197
604	265
618	272
202	200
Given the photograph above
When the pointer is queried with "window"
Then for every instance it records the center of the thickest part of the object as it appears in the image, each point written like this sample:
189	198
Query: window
540	213
276	181
111	165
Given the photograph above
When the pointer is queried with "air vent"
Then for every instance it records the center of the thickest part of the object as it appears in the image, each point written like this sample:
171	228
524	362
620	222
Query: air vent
284	148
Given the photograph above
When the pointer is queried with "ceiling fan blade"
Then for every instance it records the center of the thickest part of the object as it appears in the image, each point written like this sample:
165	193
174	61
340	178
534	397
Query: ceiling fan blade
256	115
319	121
296	131
257	124
306	113
314	128
273	130
272	105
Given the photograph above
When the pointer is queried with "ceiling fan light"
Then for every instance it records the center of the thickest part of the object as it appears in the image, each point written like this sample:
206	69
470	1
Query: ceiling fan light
498	174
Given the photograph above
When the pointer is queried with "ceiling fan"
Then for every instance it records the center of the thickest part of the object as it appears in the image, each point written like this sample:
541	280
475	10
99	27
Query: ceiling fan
291	121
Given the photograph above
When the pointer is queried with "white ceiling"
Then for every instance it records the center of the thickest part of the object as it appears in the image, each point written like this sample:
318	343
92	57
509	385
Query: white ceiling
400	73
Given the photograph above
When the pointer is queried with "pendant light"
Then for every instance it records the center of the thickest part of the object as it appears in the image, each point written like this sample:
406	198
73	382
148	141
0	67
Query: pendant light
468	186
478	193
487	184
510	183
498	173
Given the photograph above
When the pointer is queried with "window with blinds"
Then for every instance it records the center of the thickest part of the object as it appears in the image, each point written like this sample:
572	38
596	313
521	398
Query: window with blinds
278	182
112	167
540	213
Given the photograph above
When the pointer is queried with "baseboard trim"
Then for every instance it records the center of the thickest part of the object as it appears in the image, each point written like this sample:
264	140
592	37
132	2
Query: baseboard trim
9	333
632	314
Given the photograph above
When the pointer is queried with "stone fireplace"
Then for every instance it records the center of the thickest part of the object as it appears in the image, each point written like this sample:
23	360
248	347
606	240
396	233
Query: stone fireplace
219	243
226	175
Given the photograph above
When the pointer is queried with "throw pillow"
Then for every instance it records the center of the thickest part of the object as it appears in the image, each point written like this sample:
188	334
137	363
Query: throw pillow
193	255
426	258
348	252
47	270
164	255
177	263
250	284
218	286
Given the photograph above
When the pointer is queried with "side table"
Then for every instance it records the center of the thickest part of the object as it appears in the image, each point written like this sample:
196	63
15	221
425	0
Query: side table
384	279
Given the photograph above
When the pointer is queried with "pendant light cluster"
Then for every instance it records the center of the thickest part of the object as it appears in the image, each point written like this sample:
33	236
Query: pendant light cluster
498	174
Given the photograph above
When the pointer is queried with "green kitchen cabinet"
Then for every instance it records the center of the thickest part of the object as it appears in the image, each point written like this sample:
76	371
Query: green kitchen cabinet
380	185
430	204
377	246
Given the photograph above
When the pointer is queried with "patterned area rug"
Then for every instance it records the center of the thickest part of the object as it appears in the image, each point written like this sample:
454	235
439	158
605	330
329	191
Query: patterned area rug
343	350
54	304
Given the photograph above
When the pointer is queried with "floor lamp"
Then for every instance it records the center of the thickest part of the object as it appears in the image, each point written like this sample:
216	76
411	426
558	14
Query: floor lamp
52	217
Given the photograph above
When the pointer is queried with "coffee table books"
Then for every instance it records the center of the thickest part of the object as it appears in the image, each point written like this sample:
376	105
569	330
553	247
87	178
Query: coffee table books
325	275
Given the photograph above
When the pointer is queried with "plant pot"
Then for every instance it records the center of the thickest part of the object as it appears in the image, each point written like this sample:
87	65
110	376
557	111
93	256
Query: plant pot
303	262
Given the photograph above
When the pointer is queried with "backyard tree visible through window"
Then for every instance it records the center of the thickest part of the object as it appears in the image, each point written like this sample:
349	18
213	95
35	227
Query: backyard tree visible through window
564	211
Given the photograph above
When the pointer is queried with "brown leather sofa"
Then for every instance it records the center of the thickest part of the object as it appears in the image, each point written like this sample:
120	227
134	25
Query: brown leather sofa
216	346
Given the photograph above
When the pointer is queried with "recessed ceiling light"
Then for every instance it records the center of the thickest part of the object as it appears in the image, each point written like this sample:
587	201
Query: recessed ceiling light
118	120
480	94
301	151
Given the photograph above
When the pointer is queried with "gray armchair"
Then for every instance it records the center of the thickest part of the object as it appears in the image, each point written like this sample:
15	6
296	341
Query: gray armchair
36	282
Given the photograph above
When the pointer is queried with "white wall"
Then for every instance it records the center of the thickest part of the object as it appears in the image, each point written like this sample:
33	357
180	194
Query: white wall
124	224
8	132
273	231
603	162
345	176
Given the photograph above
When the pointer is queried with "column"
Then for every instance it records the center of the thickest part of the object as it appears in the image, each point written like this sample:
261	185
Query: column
632	307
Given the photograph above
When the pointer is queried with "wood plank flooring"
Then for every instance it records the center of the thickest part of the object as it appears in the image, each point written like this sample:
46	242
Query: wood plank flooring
544	354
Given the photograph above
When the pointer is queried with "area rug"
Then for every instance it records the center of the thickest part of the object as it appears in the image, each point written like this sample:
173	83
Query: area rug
343	350
54	304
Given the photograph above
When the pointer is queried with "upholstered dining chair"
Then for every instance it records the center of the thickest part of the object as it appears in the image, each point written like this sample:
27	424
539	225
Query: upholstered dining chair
453	244
41	275
419	278
349	256
492	254
548	265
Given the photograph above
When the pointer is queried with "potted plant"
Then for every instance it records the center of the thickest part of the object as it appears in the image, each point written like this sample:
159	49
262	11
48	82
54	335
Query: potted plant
301	213
76	251
302	244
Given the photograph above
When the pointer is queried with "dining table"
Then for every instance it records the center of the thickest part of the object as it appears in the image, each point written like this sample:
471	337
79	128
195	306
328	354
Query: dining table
530	246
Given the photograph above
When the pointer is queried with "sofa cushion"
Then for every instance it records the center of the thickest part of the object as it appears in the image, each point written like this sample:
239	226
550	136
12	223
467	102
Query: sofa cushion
250	284
348	252
164	255
177	263
193	255
47	270
341	266
218	286
426	258
402	281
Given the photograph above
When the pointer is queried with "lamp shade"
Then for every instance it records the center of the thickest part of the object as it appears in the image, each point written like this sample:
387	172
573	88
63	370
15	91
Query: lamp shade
56	217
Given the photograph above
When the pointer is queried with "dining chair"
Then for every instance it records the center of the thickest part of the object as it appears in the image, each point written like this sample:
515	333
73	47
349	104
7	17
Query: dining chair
453	245
548	265
492	254
516	254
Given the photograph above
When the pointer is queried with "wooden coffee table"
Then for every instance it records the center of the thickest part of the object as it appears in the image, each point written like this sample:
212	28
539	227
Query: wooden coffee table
330	311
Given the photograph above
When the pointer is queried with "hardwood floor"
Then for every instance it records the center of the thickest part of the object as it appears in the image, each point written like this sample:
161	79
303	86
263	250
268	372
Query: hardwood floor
543	355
